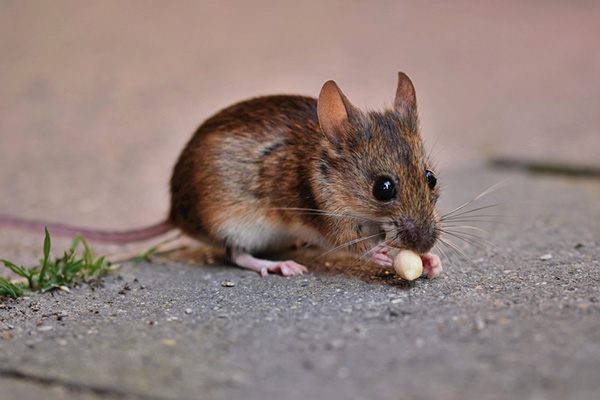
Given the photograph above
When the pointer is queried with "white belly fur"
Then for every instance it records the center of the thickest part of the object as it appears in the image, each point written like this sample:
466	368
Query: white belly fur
257	235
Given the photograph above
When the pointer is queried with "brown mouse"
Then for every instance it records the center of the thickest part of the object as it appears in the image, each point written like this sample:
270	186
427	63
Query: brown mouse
268	172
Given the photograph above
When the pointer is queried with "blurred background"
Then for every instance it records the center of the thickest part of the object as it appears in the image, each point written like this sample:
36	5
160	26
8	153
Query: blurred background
97	99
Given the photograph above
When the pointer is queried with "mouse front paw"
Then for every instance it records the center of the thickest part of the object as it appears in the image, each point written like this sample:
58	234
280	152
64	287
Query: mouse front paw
432	265
380	255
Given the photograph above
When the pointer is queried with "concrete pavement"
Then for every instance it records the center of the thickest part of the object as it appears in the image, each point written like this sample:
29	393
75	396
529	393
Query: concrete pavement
512	323
98	99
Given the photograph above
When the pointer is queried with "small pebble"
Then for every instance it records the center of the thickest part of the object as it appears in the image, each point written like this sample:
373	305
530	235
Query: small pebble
45	328
61	315
188	311
228	284
546	257
479	325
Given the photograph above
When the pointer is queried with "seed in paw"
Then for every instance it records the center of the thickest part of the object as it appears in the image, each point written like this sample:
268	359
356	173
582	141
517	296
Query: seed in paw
408	265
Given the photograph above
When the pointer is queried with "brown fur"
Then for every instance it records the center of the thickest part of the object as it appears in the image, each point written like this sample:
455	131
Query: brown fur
247	171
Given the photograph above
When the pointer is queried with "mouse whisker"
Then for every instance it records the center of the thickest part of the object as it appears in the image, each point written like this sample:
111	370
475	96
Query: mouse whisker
456	225
438	248
476	218
450	216
471	239
475	240
482	194
360	260
346	245
365	255
326	213
456	228
454	248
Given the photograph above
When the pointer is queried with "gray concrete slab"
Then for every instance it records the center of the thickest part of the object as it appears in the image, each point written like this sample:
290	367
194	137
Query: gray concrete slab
98	99
506	324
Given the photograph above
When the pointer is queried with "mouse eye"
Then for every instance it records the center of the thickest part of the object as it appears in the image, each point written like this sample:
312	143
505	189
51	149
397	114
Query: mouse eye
384	189
431	179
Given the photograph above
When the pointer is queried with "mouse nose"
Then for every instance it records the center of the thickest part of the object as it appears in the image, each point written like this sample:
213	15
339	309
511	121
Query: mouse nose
414	236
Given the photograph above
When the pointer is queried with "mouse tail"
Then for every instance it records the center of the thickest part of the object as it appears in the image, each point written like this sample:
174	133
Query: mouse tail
96	235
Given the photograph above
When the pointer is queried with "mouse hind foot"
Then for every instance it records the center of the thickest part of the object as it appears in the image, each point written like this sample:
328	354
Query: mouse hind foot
243	259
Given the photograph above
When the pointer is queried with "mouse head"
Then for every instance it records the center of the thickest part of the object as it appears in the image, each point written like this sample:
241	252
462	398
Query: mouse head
375	169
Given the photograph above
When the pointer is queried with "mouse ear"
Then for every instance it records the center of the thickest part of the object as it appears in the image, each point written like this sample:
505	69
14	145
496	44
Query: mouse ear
406	99
334	111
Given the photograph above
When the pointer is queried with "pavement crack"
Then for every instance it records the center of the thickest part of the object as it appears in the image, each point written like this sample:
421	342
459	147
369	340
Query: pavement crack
74	386
546	167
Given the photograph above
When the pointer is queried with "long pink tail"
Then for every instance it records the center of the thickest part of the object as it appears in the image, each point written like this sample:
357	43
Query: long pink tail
133	235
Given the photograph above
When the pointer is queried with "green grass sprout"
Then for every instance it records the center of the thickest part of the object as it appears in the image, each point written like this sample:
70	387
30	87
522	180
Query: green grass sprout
148	254
8	288
58	274
42	277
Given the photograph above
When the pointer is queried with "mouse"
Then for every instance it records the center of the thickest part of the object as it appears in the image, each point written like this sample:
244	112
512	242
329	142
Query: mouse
267	173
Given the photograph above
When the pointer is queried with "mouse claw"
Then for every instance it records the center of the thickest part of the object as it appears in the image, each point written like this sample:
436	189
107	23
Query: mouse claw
289	268
285	268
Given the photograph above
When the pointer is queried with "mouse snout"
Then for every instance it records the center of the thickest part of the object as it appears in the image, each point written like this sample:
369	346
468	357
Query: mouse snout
412	235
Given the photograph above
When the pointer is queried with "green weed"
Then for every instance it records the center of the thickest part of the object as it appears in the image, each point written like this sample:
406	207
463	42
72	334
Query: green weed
58	274
147	255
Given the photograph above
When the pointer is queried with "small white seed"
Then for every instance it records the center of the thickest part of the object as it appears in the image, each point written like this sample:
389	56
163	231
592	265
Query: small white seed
408	265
